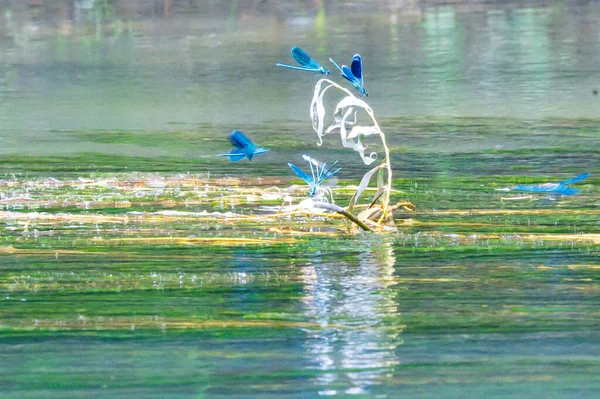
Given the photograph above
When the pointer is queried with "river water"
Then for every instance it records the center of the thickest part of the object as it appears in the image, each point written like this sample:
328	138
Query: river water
475	296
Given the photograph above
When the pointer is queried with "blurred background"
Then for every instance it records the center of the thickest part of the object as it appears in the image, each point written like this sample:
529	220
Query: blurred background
146	64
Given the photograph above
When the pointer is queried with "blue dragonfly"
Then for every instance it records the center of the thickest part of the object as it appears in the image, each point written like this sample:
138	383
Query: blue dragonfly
319	171
244	148
306	62
353	74
554	188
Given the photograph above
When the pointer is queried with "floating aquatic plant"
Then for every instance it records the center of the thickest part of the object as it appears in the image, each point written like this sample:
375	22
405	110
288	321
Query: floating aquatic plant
353	135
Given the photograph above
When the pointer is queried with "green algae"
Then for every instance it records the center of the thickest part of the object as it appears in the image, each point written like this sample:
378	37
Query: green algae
196	264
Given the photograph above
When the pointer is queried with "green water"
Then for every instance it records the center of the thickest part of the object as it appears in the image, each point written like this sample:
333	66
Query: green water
474	294
129	266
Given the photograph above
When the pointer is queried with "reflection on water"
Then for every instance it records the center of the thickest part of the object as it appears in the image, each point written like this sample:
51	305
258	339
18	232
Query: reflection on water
355	303
371	320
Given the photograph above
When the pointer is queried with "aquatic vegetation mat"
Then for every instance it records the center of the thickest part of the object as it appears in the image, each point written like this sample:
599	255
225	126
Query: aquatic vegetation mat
204	275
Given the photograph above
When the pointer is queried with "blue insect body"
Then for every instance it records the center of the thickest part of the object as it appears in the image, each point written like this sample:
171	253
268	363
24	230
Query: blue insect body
353	74
306	62
554	188
319	171
244	148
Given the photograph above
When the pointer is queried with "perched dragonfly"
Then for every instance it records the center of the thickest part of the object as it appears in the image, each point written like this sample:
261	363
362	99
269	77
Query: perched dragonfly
554	188
319	171
306	62
244	148
353	74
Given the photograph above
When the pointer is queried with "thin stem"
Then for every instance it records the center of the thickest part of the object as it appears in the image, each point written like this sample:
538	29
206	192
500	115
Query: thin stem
388	166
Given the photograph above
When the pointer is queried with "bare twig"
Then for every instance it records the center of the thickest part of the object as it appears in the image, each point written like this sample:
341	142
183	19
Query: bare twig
345	213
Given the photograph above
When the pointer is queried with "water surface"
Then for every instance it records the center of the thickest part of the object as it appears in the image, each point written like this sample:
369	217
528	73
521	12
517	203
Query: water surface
129	265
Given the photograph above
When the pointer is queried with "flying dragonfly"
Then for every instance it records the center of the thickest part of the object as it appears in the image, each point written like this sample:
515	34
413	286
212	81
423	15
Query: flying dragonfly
554	188
353	74
244	148
306	62
319	171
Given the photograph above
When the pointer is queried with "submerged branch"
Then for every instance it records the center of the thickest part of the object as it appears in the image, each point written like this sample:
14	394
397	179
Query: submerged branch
342	211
